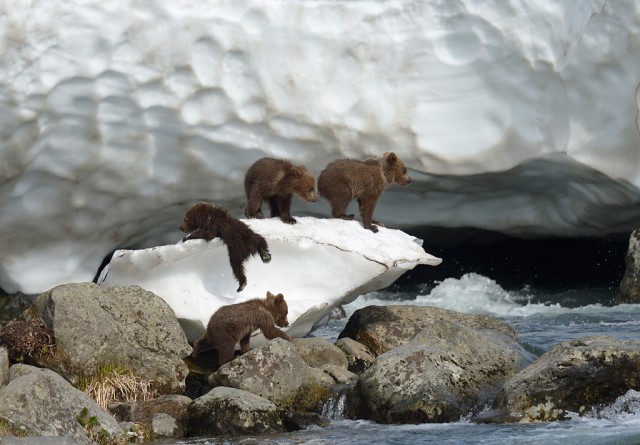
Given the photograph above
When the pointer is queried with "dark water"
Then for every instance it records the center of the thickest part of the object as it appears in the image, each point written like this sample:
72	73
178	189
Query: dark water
541	318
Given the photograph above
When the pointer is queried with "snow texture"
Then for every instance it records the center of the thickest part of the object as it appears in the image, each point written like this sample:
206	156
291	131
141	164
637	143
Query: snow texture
515	116
317	264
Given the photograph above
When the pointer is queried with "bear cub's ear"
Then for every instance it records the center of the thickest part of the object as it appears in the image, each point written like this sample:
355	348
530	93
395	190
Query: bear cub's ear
275	298
390	157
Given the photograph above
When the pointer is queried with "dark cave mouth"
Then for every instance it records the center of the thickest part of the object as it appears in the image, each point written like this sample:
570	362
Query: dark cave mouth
546	263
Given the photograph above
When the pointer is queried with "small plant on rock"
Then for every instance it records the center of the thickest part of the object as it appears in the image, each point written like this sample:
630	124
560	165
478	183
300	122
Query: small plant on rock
27	340
94	431
7	429
112	383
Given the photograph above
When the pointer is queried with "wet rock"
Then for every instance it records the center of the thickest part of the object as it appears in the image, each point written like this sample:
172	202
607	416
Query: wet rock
276	372
382	328
231	411
41	402
630	284
359	359
124	326
446	371
572	376
296	420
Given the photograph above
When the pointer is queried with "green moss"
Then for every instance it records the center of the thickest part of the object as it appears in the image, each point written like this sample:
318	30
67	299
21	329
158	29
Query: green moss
100	373
95	432
309	397
7	429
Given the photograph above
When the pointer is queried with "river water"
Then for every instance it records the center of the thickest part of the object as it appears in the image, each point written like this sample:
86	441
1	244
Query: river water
541	319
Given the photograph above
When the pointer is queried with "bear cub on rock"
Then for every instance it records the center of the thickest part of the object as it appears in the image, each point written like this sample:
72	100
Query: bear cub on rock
346	179
206	221
236	322
275	181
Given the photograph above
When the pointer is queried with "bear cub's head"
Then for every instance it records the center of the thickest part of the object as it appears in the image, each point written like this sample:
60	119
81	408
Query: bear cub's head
303	184
278	308
394	169
202	217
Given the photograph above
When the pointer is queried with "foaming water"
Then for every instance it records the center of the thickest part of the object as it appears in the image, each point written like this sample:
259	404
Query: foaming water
541	318
475	294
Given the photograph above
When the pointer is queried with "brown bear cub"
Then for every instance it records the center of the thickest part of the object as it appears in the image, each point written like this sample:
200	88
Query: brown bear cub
346	179
206	221
236	322
275	181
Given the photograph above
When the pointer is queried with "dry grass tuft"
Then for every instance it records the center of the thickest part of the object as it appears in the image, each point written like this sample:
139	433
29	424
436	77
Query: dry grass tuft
118	385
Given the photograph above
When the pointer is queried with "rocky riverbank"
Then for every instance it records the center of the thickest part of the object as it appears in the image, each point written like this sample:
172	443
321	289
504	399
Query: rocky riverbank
107	367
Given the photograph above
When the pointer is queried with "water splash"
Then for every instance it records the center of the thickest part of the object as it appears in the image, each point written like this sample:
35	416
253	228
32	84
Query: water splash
334	407
473	293
627	406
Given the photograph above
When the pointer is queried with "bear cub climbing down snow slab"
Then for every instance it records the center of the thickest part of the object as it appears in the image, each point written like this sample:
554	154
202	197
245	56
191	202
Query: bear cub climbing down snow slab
276	181
206	221
235	323
346	179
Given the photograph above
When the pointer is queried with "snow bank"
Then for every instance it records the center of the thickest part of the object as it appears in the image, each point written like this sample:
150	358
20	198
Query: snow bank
317	264
114	116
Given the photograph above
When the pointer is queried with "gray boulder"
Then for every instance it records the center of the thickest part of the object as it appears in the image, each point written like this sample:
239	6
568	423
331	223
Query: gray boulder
382	328
124	326
447	371
231	412
572	376
276	372
630	284
20	369
42	403
359	359
319	352
163	425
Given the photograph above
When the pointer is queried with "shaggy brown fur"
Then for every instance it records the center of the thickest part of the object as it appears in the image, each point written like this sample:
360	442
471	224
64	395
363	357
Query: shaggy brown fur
275	181
207	221
346	179
236	322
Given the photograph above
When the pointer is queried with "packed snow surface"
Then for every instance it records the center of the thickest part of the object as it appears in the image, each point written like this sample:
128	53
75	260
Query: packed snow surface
317	264
514	116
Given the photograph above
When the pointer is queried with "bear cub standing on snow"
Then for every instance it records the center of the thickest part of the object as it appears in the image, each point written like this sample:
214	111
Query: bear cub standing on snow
206	221
236	322
346	179
275	181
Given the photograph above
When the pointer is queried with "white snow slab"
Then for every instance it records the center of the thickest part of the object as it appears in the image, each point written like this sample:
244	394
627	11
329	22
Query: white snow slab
316	264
